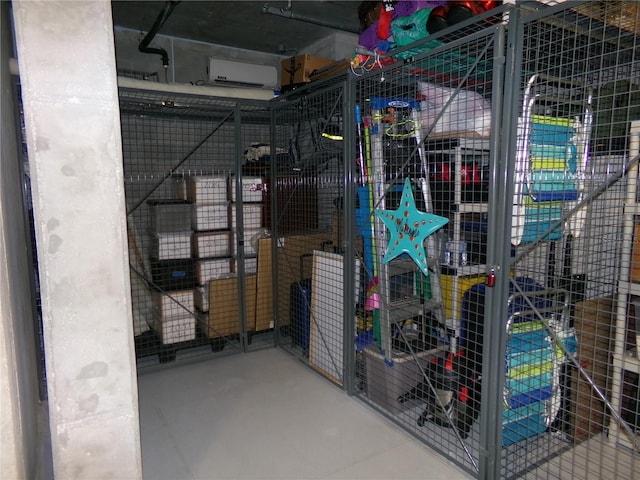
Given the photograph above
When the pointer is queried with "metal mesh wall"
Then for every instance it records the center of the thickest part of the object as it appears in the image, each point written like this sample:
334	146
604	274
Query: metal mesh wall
450	237
504	337
307	206
571	231
422	215
194	222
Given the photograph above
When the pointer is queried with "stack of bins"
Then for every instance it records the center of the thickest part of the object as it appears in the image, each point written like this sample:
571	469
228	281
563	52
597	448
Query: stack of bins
251	208
210	245
551	180
172	270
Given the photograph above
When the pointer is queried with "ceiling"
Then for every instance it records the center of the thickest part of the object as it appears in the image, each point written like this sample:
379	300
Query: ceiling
243	24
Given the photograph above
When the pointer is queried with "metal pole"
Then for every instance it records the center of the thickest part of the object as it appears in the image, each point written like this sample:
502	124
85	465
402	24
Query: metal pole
349	208
504	121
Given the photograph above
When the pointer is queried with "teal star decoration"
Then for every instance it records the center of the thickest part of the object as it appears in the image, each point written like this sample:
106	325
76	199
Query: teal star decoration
408	228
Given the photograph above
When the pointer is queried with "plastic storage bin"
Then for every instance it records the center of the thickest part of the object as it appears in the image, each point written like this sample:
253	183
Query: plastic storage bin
384	383
171	275
170	215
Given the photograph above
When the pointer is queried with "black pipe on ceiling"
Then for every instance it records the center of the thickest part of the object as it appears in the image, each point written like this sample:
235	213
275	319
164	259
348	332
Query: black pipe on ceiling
160	20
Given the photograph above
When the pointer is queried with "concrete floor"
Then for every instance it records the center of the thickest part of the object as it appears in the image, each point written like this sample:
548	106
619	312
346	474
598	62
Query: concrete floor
265	415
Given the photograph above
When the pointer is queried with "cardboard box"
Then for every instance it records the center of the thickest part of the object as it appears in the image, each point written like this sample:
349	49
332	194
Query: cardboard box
168	245
210	217
331	69
211	244
634	270
298	70
173	304
290	268
250	265
264	286
208	269
207	190
249	245
594	325
175	329
252	189
224	306
251	215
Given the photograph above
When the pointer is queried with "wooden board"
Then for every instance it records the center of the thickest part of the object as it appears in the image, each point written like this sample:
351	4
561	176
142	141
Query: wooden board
327	322
264	287
290	249
326	338
224	307
593	321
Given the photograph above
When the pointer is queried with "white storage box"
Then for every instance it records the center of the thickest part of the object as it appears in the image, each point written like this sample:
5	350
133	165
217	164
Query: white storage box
250	265
173	304
251	215
252	188
170	215
168	246
212	268
201	298
249	249
210	217
203	190
175	329
211	244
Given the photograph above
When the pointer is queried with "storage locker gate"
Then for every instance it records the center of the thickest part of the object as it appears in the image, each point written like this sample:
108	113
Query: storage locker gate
200	267
316	293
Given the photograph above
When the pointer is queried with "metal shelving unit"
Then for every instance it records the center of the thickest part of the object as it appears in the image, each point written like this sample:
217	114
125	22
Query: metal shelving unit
626	358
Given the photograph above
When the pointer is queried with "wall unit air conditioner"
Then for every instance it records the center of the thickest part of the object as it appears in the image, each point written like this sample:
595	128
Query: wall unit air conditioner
233	73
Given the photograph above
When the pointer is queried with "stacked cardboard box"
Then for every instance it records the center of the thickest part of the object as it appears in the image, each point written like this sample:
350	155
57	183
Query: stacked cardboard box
211	244
593	322
172	270
249	204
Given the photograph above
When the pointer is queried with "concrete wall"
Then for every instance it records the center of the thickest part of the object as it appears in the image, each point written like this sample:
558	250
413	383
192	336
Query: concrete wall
338	46
188	60
18	374
67	68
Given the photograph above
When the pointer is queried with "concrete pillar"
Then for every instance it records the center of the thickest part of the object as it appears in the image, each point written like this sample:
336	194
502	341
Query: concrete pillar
67	69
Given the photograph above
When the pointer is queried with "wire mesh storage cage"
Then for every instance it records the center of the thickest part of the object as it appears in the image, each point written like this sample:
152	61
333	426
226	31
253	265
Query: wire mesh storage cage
196	223
423	209
448	233
309	205
488	219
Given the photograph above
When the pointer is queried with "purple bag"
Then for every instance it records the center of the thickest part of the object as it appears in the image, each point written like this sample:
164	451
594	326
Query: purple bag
369	38
404	8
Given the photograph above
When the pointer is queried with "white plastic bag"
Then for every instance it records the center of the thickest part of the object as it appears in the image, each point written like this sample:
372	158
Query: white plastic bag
467	112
